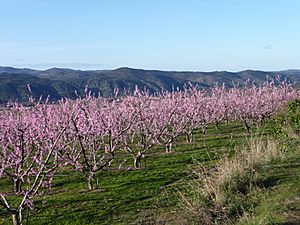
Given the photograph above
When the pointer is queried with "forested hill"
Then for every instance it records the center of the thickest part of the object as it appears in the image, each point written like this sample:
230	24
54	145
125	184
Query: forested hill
59	83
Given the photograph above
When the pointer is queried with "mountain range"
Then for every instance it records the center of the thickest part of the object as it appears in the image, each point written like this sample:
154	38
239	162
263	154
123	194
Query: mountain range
59	83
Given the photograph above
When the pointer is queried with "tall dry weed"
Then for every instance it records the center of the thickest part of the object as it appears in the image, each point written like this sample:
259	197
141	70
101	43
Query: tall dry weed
216	195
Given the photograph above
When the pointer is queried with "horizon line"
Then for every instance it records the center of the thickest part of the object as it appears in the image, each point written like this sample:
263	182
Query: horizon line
32	67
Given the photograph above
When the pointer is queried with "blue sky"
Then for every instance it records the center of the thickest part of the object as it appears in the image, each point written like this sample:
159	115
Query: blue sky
202	35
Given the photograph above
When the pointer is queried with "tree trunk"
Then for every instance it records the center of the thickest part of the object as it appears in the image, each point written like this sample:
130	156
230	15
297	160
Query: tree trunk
137	160
248	128
15	218
91	180
17	185
168	147
189	137
258	124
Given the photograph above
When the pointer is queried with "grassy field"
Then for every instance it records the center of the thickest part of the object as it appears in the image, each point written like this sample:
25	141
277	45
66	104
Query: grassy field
139	196
276	199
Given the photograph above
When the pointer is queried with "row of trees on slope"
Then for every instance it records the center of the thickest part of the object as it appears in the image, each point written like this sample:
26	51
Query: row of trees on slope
86	134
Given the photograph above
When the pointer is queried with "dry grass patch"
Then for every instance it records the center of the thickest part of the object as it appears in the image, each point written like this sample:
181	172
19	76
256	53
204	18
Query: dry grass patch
219	194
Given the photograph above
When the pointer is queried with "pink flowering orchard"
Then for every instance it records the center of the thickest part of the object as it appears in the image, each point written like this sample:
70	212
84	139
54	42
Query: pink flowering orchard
95	133
86	134
30	140
150	120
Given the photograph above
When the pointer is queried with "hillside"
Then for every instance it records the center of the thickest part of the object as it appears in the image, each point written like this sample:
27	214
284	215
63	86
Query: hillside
59	83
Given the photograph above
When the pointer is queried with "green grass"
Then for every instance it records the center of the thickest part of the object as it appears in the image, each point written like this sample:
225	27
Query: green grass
277	200
124	197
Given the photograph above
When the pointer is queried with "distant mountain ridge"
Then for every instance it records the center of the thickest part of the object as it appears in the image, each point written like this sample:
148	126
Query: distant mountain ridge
60	83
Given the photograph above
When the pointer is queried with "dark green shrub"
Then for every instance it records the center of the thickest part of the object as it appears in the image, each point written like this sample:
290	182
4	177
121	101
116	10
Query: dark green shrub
293	114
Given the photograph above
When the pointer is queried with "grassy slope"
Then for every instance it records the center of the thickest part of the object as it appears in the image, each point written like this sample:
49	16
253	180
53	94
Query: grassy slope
278	199
127	197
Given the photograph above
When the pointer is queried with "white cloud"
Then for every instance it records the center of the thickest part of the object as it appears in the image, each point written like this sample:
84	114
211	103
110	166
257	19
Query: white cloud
267	47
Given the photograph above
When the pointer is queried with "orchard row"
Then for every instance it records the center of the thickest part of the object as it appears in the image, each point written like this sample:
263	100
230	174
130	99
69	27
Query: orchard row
87	133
